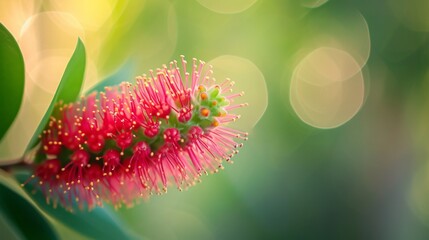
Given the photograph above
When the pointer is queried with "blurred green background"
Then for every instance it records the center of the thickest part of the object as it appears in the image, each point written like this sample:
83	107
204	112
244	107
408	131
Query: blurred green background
338	115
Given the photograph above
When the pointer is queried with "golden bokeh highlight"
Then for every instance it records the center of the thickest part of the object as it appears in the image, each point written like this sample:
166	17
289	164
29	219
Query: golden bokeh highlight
91	14
13	13
49	30
247	78
47	42
327	88
226	6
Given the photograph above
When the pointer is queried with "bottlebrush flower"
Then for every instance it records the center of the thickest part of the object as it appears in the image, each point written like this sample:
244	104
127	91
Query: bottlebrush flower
134	140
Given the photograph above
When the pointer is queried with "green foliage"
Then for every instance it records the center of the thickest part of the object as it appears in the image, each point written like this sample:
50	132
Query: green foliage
100	223
68	89
12	78
21	220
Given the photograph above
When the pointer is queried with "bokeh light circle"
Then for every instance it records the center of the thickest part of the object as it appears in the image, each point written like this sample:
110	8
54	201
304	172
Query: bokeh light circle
227	6
348	30
47	41
49	30
327	88
247	78
91	14
14	13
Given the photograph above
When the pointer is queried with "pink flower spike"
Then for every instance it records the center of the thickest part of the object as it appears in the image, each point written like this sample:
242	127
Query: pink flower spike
132	140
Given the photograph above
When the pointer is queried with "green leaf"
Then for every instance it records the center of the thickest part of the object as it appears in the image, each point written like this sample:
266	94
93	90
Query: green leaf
125	73
12	76
68	90
100	223
21	220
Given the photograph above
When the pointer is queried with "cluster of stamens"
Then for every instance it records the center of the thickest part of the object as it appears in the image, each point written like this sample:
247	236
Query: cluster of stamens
134	140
